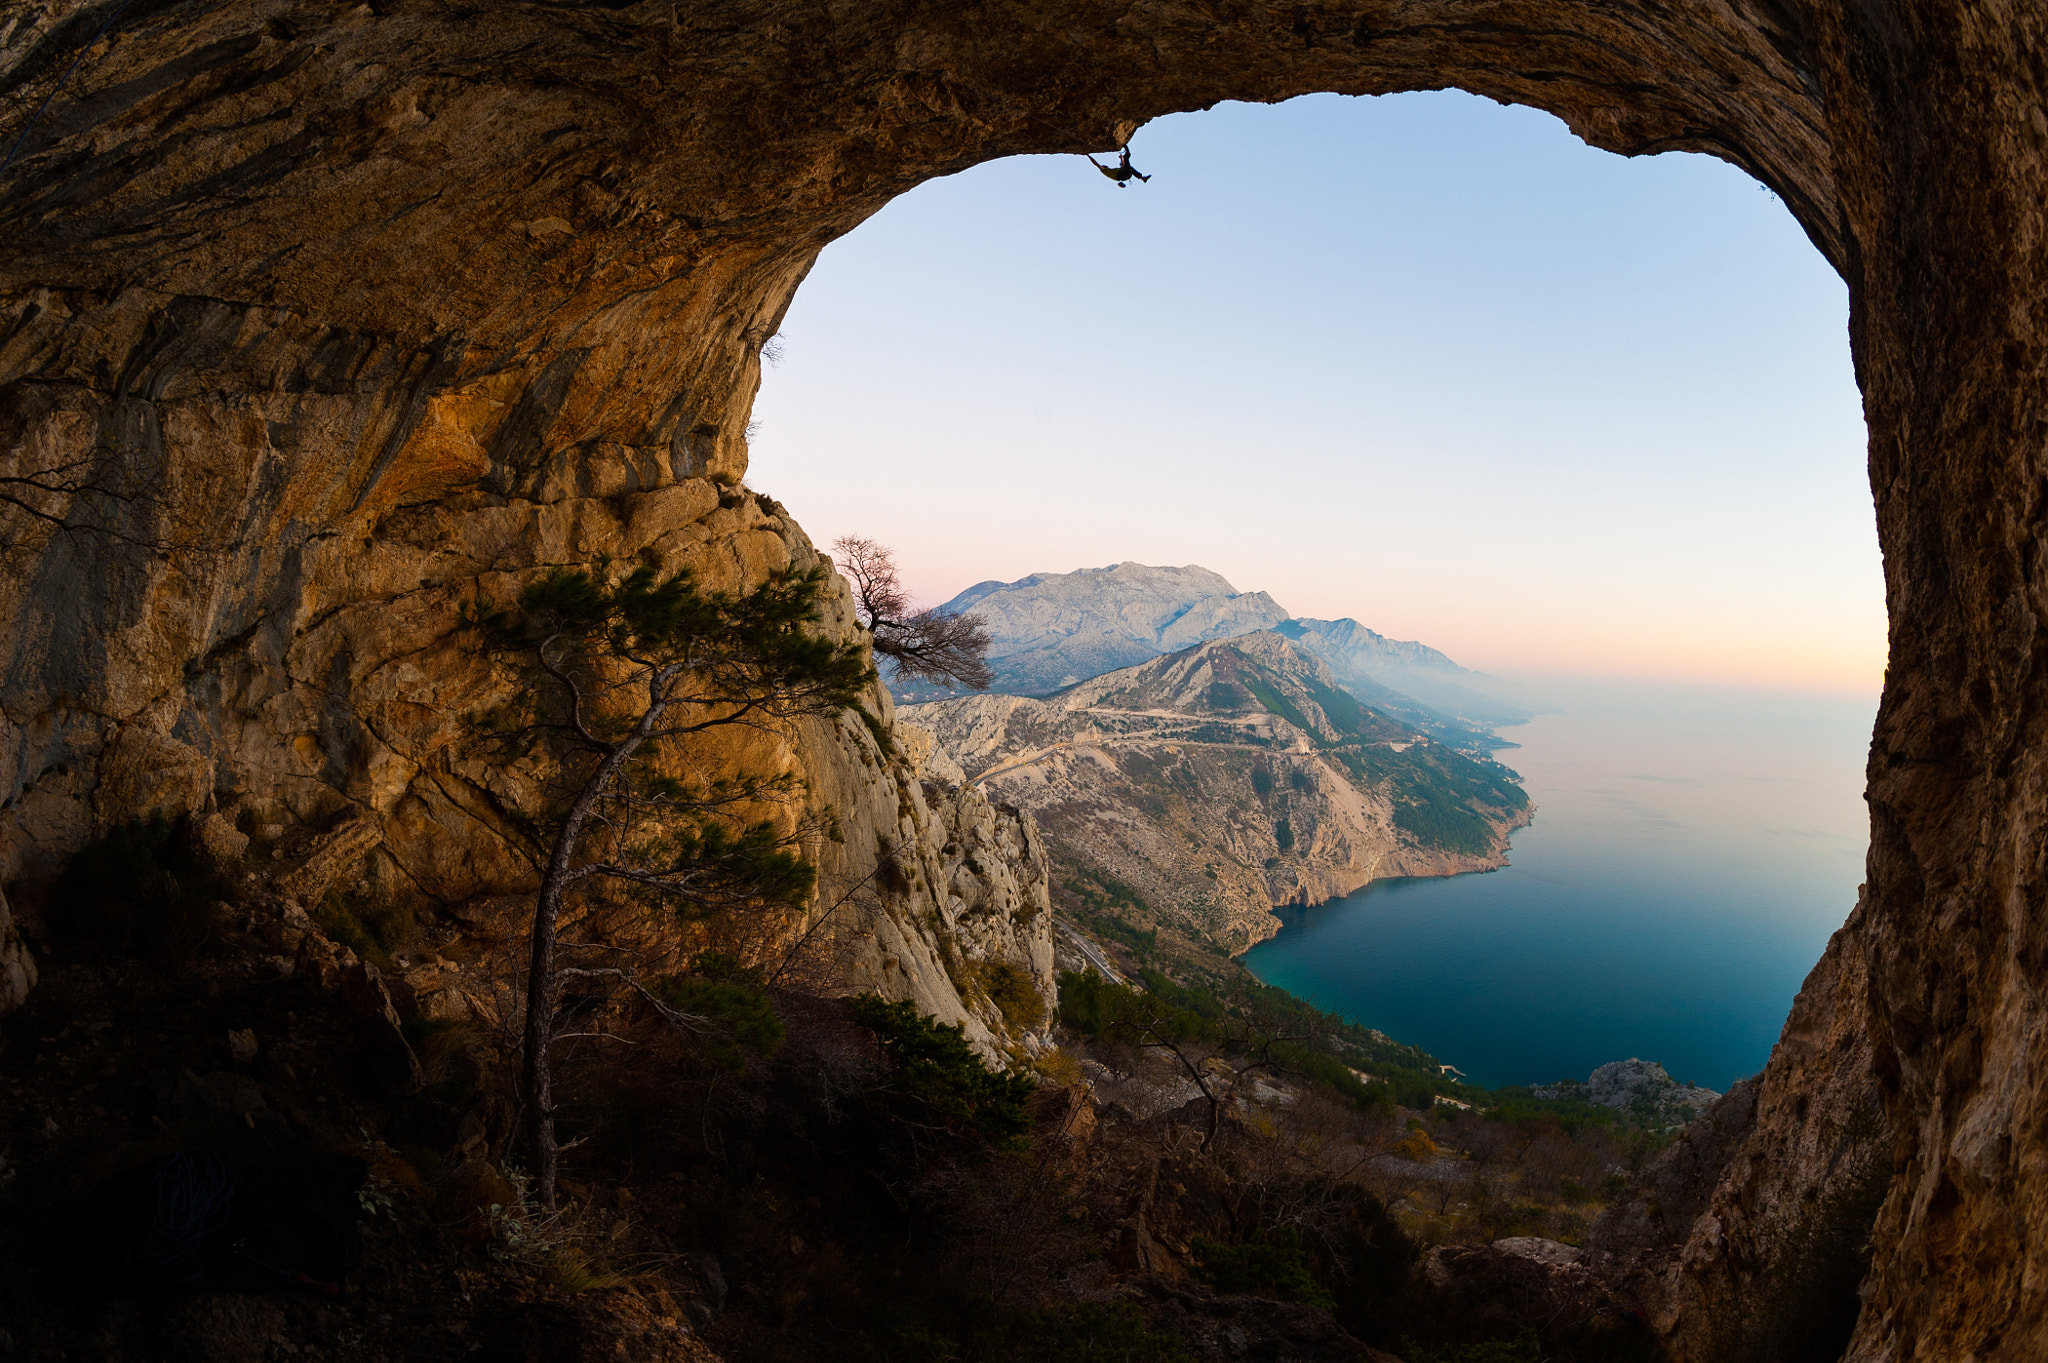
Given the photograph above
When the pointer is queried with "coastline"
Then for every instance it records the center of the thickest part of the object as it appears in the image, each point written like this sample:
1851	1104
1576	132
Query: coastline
1405	863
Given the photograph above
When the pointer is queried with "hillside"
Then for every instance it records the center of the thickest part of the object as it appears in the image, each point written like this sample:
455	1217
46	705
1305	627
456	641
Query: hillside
1197	791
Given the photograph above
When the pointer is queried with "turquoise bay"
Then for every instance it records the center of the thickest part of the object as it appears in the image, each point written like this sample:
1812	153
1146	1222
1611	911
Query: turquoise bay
1692	851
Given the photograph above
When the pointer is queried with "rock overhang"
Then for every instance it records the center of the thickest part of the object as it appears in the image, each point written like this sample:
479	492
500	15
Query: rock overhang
329	267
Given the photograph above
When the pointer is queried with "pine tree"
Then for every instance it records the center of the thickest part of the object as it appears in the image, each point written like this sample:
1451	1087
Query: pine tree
626	667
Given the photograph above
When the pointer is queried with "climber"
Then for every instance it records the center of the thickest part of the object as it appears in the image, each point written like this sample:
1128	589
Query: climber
1123	172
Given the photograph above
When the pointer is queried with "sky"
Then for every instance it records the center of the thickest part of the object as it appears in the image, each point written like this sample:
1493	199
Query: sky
1423	360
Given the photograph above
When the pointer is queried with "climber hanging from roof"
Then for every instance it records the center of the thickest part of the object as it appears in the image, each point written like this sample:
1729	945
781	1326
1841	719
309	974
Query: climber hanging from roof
1123	172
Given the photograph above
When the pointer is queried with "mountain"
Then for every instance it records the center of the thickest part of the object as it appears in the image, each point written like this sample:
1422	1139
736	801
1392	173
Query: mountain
1055	629
1052	630
1411	680
1199	790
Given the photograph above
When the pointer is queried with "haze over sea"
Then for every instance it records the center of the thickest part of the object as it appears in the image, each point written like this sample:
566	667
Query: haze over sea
1692	852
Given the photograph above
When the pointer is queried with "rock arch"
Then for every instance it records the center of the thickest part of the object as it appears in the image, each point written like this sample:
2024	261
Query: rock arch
322	279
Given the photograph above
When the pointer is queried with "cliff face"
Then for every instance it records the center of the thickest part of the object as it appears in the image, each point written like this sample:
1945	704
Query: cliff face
336	726
1219	782
286	285
1750	1237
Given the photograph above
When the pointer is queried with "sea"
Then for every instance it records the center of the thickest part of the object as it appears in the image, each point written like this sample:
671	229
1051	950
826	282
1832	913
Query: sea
1691	853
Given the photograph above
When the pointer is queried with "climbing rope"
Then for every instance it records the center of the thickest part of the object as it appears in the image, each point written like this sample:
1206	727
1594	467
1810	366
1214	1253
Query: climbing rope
195	1194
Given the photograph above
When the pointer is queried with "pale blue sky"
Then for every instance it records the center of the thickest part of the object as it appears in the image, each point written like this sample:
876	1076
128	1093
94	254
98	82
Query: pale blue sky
1423	360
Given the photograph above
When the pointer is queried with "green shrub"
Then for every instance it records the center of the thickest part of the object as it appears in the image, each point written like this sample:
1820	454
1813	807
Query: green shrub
1093	1332
1525	1347
1443	825
1279	705
1093	1006
943	1082
372	928
1273	1266
1408	1076
1141	942
439	1042
1012	990
877	731
740	1018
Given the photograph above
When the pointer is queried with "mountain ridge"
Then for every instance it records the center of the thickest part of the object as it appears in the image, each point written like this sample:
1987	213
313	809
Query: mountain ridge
1050	631
1200	789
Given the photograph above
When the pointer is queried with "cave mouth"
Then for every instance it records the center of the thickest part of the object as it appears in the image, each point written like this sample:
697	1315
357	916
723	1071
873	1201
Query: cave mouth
1435	364
1622	380
333	268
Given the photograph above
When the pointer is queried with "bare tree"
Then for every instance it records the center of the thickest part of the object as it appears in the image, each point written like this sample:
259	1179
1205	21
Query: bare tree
929	644
1147	1023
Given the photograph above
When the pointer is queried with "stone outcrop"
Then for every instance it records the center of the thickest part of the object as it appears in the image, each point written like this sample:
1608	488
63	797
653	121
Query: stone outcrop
17	967
1515	1281
288	285
1204	789
1624	1083
958	894
1640	1087
338	721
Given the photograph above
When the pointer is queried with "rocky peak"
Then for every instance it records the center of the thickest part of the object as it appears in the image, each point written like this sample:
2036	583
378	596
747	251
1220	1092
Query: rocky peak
1419	683
1056	629
1355	641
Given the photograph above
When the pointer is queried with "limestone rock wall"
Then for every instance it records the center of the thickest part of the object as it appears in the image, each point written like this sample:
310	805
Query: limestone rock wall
1748	1239
960	887
17	967
296	289
320	691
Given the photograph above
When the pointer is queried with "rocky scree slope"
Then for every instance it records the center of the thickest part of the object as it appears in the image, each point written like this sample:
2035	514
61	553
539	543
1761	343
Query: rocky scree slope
289	268
1213	784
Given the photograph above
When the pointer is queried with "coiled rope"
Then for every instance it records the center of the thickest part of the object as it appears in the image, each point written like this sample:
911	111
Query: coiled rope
195	1195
